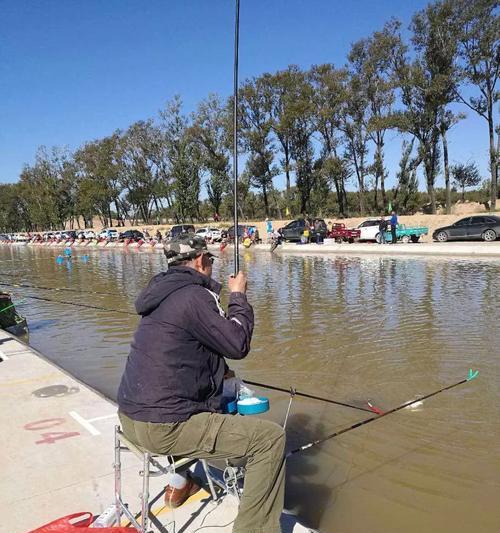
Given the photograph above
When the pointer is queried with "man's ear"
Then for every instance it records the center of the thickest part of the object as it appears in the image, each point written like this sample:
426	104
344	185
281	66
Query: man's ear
198	261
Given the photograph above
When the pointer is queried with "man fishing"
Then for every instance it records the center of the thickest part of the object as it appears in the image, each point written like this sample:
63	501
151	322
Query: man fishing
170	394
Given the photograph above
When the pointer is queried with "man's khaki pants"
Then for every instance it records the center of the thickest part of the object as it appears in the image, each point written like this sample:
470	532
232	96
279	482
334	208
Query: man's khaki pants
216	436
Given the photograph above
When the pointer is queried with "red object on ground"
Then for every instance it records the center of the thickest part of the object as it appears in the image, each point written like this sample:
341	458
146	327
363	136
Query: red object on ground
340	233
375	409
78	523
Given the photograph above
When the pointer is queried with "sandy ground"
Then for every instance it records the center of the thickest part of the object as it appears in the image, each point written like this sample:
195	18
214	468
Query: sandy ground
430	221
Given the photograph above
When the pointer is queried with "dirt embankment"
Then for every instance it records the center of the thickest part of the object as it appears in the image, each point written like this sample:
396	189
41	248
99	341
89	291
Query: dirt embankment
430	221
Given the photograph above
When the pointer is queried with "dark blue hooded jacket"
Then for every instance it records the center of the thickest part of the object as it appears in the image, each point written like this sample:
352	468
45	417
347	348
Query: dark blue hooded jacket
176	365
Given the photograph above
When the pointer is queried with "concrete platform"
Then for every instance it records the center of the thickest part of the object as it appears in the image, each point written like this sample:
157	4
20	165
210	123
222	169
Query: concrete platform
58	452
433	249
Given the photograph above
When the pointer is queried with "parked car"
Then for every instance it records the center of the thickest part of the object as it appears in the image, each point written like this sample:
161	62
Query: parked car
211	234
369	229
19	237
70	234
294	230
132	234
109	233
86	234
177	230
485	227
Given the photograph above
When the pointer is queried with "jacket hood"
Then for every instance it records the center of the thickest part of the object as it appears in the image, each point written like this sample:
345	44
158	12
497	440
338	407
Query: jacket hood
164	284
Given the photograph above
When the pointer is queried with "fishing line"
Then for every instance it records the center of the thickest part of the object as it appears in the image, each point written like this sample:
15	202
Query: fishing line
87	306
312	397
24	285
472	374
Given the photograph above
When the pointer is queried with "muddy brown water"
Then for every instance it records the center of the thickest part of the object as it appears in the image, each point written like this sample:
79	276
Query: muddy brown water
351	329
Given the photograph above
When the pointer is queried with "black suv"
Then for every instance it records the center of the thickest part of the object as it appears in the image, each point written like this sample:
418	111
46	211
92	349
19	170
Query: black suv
294	230
132	234
175	231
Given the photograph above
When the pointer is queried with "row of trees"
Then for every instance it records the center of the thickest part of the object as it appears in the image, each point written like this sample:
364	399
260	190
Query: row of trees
323	129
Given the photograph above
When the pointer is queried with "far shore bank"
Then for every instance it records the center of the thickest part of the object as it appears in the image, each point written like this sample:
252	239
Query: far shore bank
432	222
430	249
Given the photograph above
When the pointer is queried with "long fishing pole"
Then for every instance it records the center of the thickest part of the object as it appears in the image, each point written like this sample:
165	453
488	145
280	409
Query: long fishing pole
312	397
472	374
235	139
80	305
57	289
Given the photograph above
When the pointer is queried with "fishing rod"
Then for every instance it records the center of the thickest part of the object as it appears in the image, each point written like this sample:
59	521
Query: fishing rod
235	139
6	308
88	306
472	374
25	286
295	392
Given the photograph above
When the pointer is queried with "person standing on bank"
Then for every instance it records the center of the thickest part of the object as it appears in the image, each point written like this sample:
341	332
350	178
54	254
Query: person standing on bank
170	394
382	228
394	224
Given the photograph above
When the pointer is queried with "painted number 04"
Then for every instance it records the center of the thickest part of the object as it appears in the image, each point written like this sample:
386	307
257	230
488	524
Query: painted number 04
52	436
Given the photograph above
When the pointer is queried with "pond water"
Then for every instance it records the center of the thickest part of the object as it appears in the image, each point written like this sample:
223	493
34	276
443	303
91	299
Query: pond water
352	329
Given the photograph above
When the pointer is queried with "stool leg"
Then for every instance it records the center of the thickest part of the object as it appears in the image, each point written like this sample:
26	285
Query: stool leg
118	476
145	492
209	479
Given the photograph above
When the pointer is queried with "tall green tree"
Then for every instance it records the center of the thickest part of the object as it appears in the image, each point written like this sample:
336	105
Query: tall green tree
297	120
284	86
45	190
211	129
256	128
14	215
371	60
354	127
446	121
328	98
98	176
428	83
404	197
185	160
480	66
465	175
138	168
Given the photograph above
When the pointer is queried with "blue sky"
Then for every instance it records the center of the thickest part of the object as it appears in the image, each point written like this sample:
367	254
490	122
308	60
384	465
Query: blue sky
73	71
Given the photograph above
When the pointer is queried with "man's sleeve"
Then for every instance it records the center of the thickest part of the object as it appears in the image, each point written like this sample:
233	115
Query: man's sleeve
230	337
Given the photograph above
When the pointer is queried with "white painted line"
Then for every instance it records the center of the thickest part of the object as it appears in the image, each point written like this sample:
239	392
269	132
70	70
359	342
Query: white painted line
102	417
85	423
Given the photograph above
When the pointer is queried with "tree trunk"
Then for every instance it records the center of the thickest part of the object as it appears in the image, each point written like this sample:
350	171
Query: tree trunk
345	205
287	173
429	175
359	174
382	176
375	203
157	210
446	172
339	197
379	172
266	203
118	214
276	200
493	159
